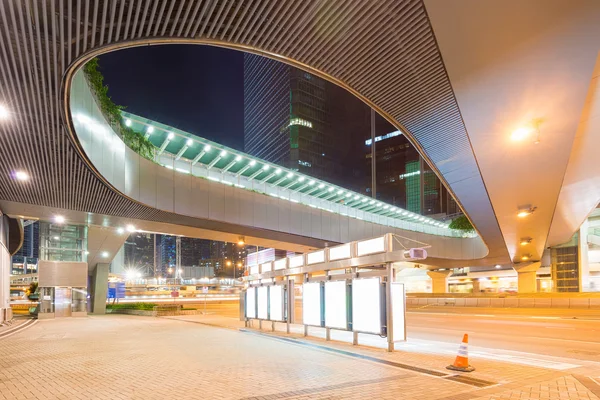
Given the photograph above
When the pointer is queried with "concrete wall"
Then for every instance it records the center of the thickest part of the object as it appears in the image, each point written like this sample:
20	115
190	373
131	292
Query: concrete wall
186	194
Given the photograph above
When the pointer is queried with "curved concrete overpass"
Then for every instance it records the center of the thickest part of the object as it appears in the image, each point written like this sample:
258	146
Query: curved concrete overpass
243	206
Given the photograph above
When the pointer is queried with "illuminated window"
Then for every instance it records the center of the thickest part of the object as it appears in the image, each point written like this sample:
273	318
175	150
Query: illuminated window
300	122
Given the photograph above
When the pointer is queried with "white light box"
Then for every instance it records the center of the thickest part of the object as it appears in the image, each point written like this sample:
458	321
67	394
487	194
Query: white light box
263	302
266	267
316	257
254	270
366	305
297	261
335	305
311	303
251	302
276	303
398	312
339	252
280	264
371	246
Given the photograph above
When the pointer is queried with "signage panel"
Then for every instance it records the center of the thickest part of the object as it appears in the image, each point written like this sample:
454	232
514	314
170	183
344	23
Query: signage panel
366	305
311	303
315	257
371	246
251	302
254	270
297	261
340	252
276	303
263	302
280	264
335	305
266	267
398	312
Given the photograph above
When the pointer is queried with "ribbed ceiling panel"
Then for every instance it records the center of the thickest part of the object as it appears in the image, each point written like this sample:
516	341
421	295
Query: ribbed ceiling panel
384	50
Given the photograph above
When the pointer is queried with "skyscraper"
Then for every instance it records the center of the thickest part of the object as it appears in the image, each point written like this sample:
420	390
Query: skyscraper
286	117
139	252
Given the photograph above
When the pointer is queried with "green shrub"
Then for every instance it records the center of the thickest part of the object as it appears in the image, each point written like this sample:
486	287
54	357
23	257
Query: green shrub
131	306
112	112
462	223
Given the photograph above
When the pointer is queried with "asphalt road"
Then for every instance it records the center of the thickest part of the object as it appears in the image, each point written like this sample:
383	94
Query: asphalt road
559	333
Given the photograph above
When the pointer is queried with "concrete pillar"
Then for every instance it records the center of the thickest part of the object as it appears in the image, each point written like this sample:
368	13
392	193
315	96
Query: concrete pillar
476	286
439	281
583	258
99	288
527	276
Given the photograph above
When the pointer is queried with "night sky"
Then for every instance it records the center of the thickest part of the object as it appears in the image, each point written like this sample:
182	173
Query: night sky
199	89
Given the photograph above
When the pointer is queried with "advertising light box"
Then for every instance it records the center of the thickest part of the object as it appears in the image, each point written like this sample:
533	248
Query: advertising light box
316	257
371	246
366	305
339	252
263	302
297	261
335	305
251	302
398	312
266	267
280	264
254	270
311	303
276	303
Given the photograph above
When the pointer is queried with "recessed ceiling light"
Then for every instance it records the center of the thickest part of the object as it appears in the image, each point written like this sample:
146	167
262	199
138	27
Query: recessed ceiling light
120	231
4	114
526	211
189	142
104	254
498	266
130	228
207	147
149	130
59	219
21	175
170	136
525	241
223	153
128	123
238	158
520	133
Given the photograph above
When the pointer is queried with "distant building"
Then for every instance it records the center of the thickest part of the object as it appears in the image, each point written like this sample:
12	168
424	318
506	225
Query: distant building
25	260
139	252
193	250
404	179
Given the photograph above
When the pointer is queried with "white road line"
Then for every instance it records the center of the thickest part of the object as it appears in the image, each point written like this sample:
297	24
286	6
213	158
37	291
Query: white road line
540	317
561	340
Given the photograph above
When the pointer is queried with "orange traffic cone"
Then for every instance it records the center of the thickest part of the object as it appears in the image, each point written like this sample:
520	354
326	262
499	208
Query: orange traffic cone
462	359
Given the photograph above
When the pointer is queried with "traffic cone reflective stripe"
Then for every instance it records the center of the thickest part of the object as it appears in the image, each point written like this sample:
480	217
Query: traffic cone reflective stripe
462	359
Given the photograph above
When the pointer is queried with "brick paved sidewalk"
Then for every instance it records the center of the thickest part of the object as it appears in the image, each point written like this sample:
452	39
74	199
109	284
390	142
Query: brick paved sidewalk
128	357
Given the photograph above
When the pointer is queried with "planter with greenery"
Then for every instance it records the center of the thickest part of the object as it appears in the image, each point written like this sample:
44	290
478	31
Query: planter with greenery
462	223
112	112
32	294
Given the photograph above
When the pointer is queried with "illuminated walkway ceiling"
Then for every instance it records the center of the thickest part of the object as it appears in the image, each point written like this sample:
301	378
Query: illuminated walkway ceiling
383	51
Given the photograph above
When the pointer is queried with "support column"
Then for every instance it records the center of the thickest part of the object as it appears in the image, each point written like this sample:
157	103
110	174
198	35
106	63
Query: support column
99	288
439	280
583	256
527	276
476	286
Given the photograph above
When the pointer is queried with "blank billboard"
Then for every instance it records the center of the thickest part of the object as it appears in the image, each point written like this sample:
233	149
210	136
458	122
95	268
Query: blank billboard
263	302
276	303
251	302
366	305
335	305
311	304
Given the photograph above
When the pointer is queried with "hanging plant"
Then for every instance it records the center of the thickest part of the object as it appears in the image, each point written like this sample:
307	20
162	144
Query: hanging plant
462	223
136	141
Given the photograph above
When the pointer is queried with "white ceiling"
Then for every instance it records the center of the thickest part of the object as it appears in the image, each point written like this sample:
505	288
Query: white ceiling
510	62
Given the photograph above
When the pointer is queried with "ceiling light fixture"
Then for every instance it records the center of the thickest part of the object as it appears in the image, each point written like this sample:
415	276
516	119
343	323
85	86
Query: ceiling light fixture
21	176
59	219
170	136
130	228
120	231
189	142
526	257
241	241
4	114
526	211
498	266
525	241
127	122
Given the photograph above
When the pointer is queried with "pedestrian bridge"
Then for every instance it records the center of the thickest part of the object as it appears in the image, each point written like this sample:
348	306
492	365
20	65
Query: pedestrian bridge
223	190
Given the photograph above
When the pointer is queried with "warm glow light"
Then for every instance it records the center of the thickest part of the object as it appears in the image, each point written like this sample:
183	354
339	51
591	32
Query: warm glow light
524	212
520	133
525	257
21	175
59	219
4	114
104	254
525	241
228	263
130	228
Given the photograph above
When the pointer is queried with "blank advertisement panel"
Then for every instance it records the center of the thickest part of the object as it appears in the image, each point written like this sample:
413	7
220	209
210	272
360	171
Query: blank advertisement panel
263	302
311	304
398	312
276	303
366	305
251	303
335	305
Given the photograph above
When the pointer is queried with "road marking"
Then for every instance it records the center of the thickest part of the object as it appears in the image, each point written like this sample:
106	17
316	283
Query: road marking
483	315
559	327
540	317
561	340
